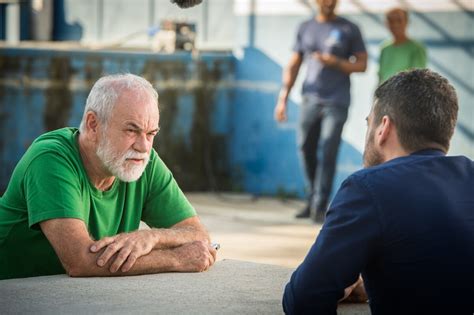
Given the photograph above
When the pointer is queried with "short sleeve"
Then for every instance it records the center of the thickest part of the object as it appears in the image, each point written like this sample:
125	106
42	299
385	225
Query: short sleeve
357	43
298	46
52	190
166	205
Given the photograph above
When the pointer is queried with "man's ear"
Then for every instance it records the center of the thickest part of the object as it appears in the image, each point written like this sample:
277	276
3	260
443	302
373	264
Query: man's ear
92	124
384	130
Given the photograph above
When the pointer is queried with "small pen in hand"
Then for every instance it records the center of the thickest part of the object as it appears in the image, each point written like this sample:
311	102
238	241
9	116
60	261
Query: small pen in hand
216	246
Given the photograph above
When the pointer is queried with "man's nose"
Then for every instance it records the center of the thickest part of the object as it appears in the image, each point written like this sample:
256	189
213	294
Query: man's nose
142	144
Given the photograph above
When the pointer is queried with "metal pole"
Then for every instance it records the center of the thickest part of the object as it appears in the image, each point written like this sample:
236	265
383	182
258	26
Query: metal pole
205	21
151	13
13	23
100	19
252	22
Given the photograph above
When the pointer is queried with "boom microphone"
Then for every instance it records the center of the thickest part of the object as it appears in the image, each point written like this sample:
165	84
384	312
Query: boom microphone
186	3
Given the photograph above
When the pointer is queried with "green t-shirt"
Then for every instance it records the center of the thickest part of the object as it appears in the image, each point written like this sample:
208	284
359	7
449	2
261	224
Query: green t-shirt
396	58
50	182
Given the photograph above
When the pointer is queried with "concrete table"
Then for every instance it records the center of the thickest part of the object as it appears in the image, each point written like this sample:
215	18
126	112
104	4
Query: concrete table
230	287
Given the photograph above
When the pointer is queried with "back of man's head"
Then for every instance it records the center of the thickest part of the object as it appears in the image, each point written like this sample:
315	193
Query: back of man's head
423	106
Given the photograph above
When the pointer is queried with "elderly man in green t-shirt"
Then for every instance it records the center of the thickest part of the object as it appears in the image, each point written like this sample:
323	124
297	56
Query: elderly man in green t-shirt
400	53
76	198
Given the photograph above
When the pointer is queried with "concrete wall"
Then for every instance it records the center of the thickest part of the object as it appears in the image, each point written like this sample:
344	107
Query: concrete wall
46	89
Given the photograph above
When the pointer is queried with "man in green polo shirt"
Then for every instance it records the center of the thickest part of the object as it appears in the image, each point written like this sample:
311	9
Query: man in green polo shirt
76	198
400	53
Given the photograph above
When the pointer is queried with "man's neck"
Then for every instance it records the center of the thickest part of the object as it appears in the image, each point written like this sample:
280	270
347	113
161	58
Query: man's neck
392	149
398	40
93	166
388	156
326	18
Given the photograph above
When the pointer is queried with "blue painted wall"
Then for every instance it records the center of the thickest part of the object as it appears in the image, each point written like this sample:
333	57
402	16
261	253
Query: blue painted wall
46	89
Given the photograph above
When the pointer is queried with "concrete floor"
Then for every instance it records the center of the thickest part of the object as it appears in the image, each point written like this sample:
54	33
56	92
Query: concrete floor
261	230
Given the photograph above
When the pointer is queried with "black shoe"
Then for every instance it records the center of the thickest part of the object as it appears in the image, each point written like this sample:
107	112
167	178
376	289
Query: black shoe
319	216
304	213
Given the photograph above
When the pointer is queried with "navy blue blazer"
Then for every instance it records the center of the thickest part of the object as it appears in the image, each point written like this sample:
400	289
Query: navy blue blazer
408	226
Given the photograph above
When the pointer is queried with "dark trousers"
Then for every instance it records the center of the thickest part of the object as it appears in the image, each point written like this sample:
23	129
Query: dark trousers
319	135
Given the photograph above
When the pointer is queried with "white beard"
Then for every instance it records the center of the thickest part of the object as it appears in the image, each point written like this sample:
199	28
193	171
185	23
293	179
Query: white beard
118	165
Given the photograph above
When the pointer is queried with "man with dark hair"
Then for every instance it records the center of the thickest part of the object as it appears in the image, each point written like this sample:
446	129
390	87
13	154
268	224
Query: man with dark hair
333	49
406	221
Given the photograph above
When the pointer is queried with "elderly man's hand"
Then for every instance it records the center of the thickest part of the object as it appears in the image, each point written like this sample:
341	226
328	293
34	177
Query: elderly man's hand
127	247
197	256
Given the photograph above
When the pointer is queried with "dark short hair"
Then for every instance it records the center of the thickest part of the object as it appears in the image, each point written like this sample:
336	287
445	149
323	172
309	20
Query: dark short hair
423	106
403	10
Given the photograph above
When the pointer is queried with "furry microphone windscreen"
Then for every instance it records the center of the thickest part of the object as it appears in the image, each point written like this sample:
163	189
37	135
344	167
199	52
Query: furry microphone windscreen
186	3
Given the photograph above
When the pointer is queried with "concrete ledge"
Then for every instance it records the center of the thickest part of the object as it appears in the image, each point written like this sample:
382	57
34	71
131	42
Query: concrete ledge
230	287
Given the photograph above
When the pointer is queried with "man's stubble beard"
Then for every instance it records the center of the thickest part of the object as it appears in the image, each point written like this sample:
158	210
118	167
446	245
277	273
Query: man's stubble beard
371	156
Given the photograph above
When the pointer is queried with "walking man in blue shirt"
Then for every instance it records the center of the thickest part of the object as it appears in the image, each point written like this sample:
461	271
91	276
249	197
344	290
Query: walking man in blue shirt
406	221
333	49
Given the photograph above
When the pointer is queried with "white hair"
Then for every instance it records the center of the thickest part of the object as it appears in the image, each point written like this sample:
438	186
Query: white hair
105	92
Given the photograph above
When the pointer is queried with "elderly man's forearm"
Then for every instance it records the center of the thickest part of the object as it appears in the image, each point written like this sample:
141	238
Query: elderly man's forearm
170	238
156	261
192	257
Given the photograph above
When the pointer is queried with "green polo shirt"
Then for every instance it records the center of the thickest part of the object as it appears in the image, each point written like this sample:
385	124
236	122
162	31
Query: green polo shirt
50	182
395	58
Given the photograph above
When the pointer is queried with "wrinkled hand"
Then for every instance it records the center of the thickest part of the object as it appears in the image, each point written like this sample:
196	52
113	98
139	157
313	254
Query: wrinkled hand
280	111
197	256
327	59
127	247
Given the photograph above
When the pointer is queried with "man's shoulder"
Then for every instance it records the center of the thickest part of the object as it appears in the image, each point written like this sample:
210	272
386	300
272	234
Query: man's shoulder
363	176
56	138
386	44
412	165
346	22
308	23
59	143
416	44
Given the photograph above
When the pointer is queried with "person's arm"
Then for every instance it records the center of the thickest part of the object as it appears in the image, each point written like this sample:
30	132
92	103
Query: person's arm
130	246
72	243
289	77
343	248
348	66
